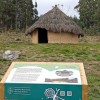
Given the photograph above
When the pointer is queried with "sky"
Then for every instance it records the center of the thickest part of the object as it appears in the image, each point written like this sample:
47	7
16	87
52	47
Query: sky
68	6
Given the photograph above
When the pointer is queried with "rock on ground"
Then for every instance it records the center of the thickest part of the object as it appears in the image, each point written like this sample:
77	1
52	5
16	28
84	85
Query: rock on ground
11	55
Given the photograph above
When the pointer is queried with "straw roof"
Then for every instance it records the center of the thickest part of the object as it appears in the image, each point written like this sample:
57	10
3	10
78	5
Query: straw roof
56	21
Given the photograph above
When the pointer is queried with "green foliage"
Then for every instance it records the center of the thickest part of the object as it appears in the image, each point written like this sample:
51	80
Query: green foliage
89	11
17	14
78	21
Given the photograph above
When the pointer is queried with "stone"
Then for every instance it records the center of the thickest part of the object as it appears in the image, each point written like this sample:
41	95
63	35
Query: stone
11	55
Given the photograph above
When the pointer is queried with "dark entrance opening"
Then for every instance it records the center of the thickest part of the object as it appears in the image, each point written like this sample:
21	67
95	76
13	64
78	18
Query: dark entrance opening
42	35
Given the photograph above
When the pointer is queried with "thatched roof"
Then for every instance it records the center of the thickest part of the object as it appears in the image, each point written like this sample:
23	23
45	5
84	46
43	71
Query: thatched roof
56	21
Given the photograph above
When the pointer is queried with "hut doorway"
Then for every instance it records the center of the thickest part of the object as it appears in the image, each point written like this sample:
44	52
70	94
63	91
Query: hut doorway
42	35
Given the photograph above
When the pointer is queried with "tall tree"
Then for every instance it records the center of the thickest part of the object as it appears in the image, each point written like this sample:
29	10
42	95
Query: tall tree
25	13
88	10
96	16
17	14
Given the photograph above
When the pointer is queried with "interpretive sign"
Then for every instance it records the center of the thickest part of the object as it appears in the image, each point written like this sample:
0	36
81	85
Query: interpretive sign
44	81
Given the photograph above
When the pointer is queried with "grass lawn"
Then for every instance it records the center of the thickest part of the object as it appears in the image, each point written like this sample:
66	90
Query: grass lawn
88	53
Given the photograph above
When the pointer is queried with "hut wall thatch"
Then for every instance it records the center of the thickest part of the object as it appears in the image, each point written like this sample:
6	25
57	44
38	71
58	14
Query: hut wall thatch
62	38
35	37
57	37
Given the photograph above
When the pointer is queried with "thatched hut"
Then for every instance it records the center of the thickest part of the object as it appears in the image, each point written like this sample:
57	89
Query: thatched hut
55	27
